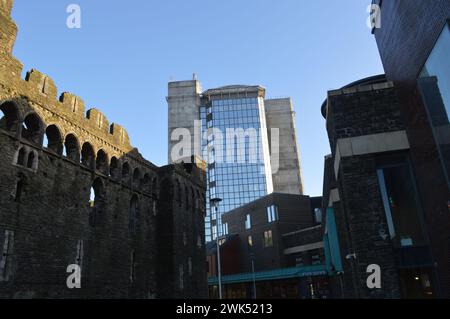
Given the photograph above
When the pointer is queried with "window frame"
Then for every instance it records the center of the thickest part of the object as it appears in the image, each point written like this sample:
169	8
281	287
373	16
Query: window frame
268	238
248	222
272	213
392	162
424	102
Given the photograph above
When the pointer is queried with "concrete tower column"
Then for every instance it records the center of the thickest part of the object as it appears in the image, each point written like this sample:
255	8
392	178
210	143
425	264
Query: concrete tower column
184	110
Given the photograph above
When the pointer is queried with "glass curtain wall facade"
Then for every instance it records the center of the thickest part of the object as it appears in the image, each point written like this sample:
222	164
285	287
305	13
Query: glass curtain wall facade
434	83
235	145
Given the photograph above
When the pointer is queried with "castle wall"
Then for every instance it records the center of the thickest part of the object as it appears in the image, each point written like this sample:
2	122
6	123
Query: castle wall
73	190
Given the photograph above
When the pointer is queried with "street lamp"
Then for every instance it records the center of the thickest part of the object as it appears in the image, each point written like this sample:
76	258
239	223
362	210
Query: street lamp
214	202
252	256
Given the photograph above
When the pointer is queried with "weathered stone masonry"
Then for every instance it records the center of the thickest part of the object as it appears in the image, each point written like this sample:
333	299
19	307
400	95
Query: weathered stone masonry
140	236
352	189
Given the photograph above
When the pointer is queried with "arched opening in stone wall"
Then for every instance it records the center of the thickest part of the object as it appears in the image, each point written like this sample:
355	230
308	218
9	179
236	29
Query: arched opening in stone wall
72	148
114	170
155	185
19	188
125	170
88	155
21	156
96	201
146	183
32	129
53	139
133	267
31	158
136	177
133	214
102	162
9	117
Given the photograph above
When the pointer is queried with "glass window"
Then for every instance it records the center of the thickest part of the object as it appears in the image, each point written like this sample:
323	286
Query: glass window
214	233
401	206
250	241
212	175
248	222
272	214
318	215
434	84
225	229
438	66
239	178
268	240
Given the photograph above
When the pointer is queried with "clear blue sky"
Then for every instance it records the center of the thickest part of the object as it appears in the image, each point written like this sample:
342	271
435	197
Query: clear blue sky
126	51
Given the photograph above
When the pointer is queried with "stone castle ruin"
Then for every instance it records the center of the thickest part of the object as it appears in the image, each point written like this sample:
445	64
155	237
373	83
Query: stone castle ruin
74	191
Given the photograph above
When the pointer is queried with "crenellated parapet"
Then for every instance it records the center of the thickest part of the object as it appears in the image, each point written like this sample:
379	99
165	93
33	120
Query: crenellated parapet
68	111
119	133
39	94
36	97
98	119
42	83
73	103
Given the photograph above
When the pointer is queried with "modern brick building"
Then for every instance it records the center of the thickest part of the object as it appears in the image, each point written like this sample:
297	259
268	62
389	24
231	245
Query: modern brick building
74	191
275	245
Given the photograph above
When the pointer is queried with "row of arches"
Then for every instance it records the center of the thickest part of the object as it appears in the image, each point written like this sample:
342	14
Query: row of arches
30	128
191	198
34	131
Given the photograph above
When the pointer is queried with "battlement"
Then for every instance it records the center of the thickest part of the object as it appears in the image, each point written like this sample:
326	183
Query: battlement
42	83
98	119
40	90
72	103
119	133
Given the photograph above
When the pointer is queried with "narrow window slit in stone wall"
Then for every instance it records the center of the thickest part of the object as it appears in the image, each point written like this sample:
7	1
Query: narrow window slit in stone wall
6	253
97	200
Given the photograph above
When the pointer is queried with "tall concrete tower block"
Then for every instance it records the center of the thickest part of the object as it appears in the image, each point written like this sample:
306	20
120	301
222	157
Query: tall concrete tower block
184	112
288	177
